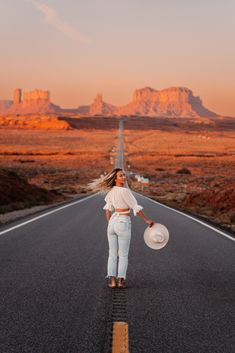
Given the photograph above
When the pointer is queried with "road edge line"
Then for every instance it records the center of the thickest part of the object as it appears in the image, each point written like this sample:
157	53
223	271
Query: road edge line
46	214
191	217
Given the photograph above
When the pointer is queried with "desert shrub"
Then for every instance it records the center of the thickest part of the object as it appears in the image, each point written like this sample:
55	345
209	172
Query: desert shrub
26	160
232	218
209	212
184	171
11	173
6	208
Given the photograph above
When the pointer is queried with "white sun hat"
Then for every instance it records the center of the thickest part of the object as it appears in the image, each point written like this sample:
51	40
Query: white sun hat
157	236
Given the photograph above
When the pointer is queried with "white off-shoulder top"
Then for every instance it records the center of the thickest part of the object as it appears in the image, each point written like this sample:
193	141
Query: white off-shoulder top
121	197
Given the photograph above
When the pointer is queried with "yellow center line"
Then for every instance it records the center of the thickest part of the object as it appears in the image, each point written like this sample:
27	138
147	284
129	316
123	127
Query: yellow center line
120	339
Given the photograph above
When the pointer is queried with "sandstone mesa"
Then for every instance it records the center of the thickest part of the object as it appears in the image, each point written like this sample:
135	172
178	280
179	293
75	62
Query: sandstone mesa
169	102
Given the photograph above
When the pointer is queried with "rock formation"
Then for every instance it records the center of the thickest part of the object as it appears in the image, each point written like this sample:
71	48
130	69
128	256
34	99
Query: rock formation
170	102
4	106
17	96
99	107
36	97
37	101
34	121
83	109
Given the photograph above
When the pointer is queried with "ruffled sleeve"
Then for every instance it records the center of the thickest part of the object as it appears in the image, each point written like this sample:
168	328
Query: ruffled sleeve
131	201
109	205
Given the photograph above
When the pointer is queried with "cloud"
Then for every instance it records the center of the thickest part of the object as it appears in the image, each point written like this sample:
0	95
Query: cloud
52	18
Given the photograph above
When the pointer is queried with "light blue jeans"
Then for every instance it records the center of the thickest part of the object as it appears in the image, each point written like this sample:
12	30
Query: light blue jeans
119	237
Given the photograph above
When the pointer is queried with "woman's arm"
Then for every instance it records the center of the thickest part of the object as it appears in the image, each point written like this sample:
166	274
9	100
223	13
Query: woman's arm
146	219
137	209
108	214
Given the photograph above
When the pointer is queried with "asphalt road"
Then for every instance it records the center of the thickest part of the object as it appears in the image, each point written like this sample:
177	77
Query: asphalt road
119	163
54	299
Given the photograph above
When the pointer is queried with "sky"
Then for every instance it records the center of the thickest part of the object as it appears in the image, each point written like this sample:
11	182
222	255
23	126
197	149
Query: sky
78	48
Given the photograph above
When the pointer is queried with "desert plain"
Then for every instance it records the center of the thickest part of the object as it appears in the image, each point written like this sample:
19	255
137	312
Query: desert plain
190	163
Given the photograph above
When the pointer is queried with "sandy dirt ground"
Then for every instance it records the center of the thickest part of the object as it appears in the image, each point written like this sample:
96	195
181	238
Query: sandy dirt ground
189	170
62	160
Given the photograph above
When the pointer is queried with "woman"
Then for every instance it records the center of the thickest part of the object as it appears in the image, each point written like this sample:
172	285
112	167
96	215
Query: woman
120	200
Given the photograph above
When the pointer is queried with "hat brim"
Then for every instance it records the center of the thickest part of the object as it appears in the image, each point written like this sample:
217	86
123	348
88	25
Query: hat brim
156	237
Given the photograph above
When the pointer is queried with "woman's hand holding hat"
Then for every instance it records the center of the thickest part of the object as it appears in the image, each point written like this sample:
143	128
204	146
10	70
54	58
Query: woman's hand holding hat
157	236
150	223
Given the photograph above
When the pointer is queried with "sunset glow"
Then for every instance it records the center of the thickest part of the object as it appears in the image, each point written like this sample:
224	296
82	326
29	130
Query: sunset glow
76	49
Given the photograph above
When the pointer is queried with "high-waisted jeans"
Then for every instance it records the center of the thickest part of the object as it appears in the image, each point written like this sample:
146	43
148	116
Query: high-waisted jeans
119	237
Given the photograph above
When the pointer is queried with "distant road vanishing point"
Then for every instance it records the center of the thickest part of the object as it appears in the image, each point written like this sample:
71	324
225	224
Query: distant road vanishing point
53	294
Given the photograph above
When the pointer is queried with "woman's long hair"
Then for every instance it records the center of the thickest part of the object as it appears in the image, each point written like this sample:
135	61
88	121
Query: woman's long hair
104	183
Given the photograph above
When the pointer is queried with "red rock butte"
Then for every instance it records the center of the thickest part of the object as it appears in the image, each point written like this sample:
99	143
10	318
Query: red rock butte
169	102
37	101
